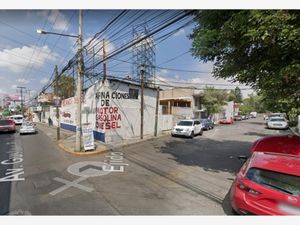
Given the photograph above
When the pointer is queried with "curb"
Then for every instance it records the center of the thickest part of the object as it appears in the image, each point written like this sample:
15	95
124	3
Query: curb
89	153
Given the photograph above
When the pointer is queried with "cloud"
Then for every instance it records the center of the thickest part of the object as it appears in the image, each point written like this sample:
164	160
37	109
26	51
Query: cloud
97	45
23	81
44	81
17	59
14	86
58	20
180	32
2	91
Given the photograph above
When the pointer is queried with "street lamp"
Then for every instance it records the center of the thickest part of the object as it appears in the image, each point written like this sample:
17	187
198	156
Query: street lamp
79	79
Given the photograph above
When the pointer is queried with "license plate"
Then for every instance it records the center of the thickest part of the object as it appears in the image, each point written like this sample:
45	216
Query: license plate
289	209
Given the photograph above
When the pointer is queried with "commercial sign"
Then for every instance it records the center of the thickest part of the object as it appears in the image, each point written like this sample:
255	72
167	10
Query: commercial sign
87	137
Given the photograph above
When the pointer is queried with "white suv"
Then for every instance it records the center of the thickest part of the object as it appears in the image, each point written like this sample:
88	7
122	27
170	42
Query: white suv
188	128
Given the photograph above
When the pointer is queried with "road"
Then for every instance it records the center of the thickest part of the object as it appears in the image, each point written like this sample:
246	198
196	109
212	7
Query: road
165	176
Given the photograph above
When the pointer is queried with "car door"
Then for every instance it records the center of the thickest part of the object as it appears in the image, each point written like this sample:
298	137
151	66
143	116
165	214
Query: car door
197	127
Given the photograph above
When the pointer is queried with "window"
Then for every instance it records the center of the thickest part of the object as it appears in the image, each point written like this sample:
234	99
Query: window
274	180
133	93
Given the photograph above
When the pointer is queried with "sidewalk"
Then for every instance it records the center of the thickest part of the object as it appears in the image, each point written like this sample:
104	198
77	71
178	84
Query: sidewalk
67	141
294	130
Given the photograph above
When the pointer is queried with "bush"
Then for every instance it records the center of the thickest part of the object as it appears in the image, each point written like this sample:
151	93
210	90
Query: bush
293	123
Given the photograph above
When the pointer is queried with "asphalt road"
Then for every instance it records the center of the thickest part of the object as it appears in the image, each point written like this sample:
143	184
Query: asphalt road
165	176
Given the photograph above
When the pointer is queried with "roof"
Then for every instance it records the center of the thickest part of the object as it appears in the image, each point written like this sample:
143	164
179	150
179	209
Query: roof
129	81
288	144
282	163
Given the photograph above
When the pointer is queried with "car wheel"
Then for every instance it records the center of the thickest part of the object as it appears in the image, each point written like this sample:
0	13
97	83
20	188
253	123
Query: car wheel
172	135
192	134
201	132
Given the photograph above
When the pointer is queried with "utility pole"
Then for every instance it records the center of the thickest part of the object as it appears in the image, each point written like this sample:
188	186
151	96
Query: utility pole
104	62
21	91
142	101
57	105
79	87
156	111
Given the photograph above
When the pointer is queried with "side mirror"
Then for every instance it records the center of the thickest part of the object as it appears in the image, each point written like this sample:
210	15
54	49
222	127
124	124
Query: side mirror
242	157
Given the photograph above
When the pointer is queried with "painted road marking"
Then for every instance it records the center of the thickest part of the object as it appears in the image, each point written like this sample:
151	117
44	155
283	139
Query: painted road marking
69	184
89	169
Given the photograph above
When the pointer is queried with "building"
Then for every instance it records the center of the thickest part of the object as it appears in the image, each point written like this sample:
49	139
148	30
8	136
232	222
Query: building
182	103
113	109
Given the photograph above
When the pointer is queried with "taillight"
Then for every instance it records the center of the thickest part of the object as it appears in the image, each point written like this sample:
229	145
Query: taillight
243	187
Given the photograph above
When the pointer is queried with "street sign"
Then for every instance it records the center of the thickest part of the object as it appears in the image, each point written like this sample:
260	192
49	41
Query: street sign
56	101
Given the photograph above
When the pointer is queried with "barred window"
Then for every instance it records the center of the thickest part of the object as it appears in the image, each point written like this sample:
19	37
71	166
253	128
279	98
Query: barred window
133	93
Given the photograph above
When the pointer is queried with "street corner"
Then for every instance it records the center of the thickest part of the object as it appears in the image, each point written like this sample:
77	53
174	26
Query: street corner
98	150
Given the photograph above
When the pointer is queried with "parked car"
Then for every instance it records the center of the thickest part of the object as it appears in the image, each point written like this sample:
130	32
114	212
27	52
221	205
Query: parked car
267	184
27	128
277	123
7	125
207	124
253	114
18	119
285	144
188	128
226	121
237	118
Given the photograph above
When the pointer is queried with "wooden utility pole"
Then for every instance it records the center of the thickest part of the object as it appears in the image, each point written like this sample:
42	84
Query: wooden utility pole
79	88
21	91
142	101
57	104
104	61
156	111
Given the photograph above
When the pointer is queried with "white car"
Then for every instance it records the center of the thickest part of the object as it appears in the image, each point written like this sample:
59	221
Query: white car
18	119
277	123
27	128
188	128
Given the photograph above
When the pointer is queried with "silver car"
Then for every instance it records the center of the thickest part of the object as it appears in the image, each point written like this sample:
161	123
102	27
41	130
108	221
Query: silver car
27	128
277	123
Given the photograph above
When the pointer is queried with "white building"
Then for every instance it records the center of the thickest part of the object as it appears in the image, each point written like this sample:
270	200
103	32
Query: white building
113	109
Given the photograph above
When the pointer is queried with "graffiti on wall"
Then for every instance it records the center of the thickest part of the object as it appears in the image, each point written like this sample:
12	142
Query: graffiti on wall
108	116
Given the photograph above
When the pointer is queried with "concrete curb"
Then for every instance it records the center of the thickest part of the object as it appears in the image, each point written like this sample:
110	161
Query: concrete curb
89	153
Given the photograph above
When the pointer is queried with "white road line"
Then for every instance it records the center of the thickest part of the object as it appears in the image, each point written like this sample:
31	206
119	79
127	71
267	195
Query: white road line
69	184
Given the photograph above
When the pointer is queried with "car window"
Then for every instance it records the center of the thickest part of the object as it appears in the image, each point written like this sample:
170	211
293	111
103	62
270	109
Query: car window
197	122
274	180
277	119
185	123
4	122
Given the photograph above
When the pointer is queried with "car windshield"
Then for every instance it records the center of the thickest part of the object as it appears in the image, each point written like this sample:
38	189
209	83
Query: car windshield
277	119
185	123
4	122
18	118
274	180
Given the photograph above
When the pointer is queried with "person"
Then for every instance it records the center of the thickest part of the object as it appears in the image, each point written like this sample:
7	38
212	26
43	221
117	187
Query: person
49	122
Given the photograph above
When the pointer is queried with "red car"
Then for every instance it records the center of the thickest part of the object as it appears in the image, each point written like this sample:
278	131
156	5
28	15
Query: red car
7	126
267	184
226	121
286	144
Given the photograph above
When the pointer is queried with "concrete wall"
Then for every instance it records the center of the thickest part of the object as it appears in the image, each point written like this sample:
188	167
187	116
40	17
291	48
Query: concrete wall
112	114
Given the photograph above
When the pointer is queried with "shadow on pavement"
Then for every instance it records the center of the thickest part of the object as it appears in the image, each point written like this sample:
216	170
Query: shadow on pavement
198	152
226	205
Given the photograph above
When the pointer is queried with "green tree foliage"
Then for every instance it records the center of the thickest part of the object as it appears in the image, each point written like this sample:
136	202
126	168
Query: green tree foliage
214	99
66	88
235	95
260	48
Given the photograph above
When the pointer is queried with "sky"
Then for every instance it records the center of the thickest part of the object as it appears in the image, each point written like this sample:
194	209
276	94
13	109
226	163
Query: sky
28	58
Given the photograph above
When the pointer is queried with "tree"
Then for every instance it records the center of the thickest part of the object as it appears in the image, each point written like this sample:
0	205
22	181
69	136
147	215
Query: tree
214	99
66	87
259	48
235	95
